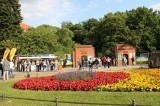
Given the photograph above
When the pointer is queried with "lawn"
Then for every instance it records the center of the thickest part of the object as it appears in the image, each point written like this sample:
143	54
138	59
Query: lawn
148	98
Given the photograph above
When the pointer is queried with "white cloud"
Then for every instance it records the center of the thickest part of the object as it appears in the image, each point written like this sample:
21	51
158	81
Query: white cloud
156	6
45	10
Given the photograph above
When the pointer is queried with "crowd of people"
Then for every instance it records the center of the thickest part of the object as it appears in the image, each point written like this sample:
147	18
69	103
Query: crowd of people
6	69
40	65
104	61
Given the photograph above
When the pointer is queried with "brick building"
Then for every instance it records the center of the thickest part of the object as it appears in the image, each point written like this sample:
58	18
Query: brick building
125	50
82	51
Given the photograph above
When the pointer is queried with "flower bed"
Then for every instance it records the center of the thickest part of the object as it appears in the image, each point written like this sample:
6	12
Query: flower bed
51	83
76	75
139	80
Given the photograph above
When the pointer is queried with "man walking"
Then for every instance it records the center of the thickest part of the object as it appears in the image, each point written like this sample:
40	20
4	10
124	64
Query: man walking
6	68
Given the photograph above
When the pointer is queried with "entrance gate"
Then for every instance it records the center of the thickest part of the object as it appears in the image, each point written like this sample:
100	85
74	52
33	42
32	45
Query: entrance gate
82	51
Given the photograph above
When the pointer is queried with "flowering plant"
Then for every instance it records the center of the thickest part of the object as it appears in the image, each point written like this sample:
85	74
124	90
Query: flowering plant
77	75
87	84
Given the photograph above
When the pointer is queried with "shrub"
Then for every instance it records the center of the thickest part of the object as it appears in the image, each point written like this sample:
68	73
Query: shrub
77	75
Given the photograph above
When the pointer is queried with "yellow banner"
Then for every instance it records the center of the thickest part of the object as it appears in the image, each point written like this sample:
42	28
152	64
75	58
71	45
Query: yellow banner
12	53
6	52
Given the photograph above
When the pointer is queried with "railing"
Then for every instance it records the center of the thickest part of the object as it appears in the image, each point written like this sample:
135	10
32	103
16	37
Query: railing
56	101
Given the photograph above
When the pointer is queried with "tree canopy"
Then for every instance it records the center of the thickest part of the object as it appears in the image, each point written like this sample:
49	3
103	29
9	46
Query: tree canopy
45	39
139	27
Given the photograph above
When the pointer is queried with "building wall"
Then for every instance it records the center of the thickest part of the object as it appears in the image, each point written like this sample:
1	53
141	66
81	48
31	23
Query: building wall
127	49
82	50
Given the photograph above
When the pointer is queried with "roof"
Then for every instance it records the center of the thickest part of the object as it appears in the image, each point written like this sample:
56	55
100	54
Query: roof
25	26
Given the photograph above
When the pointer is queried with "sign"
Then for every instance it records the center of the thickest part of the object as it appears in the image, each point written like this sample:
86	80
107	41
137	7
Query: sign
119	56
142	57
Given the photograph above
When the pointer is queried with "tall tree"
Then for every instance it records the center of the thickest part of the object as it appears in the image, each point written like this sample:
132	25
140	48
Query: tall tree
40	40
46	39
112	30
142	23
10	19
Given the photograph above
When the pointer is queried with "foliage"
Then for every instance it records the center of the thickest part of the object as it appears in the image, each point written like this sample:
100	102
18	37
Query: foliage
10	18
45	39
50	83
139	80
77	75
139	27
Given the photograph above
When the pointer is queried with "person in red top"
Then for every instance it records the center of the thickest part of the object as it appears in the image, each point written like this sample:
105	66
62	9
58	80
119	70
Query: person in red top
104	60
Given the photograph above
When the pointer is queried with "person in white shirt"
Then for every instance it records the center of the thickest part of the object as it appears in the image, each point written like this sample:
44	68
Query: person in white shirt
11	69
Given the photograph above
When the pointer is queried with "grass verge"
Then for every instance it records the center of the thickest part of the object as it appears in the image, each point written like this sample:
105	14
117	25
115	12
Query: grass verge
148	98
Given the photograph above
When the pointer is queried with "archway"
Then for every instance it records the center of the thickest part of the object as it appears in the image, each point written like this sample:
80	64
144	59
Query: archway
85	60
124	49
82	50
126	55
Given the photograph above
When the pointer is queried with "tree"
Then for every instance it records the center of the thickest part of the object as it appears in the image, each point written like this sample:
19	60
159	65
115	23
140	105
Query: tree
142	23
10	19
46	39
40	40
65	39
111	30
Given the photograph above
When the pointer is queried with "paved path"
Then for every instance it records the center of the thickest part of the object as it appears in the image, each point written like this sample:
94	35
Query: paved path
21	75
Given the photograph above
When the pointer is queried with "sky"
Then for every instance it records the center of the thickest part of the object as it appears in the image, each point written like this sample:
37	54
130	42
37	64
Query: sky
54	12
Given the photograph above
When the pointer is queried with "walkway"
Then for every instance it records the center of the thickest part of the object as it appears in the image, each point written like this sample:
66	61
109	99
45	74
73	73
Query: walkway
49	73
21	75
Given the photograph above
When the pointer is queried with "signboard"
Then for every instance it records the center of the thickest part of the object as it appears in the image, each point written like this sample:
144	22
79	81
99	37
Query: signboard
119	56
142	57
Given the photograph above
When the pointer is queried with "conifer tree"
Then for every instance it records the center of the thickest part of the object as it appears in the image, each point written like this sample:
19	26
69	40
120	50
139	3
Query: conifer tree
10	19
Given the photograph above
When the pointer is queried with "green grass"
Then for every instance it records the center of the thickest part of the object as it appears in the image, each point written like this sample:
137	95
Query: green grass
148	98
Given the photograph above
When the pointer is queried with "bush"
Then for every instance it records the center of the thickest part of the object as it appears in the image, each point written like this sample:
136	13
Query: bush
77	75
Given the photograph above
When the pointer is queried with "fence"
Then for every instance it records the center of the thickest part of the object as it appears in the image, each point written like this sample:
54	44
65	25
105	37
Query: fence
56	101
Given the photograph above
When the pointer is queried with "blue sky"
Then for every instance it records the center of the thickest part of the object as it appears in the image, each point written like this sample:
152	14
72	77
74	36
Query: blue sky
54	12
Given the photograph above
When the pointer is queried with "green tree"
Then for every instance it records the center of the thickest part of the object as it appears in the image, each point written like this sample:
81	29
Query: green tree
46	39
65	39
111	30
10	18
40	40
142	23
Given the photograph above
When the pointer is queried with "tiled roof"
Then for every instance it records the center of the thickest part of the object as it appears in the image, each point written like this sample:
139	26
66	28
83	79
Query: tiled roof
25	26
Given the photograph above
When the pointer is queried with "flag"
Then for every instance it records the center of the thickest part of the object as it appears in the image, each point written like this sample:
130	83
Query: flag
12	53
6	52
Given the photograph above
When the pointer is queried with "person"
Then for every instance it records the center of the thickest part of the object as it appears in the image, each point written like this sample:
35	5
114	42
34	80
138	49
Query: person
82	64
64	63
124	61
79	63
37	65
56	65
52	65
108	61
90	64
96	63
132	59
6	68
1	69
116	62
11	69
104	60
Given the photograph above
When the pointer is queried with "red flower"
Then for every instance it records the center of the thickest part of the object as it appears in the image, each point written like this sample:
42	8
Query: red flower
50	83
